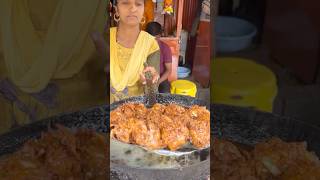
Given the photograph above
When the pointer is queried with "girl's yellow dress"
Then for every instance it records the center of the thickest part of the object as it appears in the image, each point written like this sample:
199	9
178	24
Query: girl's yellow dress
126	64
49	41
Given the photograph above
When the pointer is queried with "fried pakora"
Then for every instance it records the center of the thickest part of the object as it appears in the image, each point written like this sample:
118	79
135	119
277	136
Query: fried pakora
59	154
273	159
161	126
199	126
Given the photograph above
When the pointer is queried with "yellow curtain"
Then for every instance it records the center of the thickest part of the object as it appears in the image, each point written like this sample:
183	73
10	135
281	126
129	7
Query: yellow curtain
32	62
144	46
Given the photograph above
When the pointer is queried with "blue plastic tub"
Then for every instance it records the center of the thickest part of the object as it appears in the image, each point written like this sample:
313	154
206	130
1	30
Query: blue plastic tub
183	72
233	34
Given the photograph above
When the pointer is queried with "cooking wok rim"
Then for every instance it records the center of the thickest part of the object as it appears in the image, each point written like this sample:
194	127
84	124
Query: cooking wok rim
162	95
116	166
262	113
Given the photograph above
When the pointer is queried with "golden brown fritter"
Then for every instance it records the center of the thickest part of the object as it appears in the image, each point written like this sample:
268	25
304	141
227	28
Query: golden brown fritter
122	131
196	111
128	110
154	113
136	110
93	151
136	131
159	107
116	116
18	166
199	126
147	136
161	126
174	134
199	133
140	111
229	162
273	159
154	136
174	110
301	171
59	154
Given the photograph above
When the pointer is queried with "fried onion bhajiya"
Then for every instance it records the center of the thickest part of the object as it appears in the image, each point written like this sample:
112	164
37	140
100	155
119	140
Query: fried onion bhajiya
116	116
275	157
173	110
199	126
58	154
230	163
122	131
161	126
147	135
173	134
93	152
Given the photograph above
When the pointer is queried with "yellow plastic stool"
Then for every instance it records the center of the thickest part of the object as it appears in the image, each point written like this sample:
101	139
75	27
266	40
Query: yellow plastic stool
183	87
242	82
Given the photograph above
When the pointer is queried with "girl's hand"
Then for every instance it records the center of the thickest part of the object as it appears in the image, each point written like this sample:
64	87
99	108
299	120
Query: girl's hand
154	73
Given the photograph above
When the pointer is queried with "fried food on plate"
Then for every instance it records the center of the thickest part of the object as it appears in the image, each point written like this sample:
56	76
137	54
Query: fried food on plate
161	126
273	159
58	154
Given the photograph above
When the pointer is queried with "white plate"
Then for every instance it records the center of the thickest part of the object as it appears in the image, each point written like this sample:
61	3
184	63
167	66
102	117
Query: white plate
185	150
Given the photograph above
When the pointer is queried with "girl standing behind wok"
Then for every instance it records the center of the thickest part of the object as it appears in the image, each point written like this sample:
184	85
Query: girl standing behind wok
130	48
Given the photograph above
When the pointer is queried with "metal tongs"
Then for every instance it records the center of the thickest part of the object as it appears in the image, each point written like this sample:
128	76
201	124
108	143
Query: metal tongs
151	89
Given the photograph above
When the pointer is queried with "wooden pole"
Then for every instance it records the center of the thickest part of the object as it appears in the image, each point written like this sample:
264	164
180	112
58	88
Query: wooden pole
179	18
213	14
